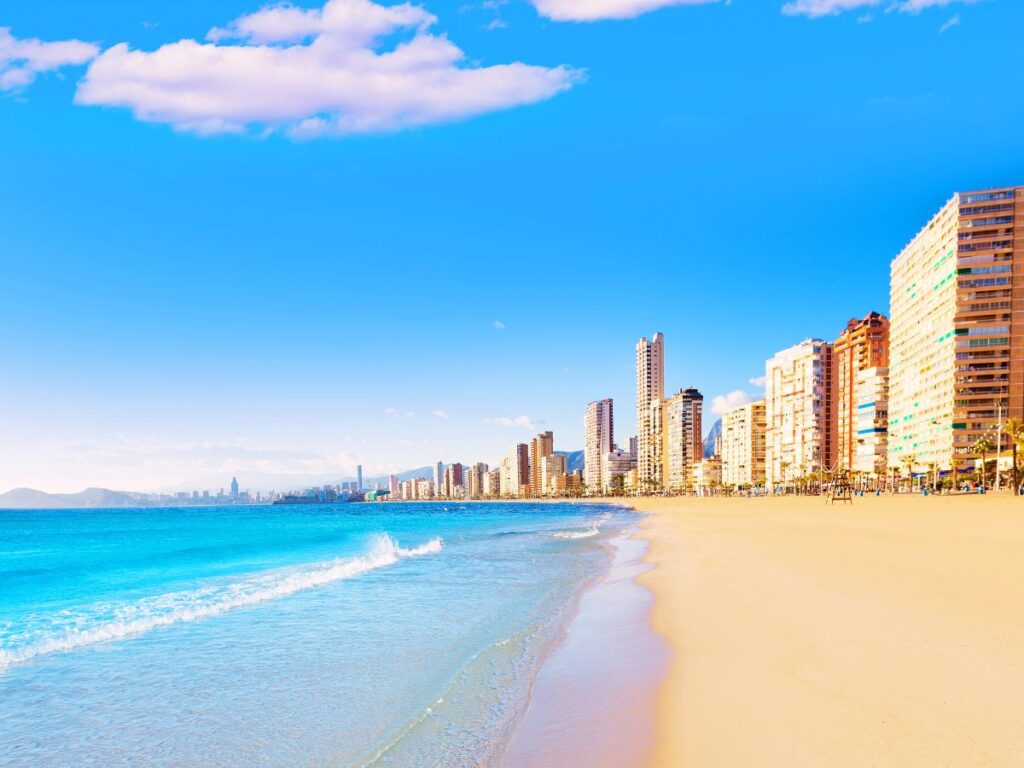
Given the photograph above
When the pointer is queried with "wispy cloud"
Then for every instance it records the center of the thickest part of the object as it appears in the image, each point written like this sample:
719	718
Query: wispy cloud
440	414
314	72
817	8
722	403
953	22
499	325
22	60
523	422
595	10
758	381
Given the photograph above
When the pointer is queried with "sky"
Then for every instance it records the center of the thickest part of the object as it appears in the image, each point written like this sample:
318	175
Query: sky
278	241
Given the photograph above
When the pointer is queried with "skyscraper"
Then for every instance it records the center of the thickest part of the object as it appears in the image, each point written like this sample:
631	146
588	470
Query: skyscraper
861	360
683	444
234	487
598	442
541	446
359	477
439	478
957	338
650	391
800	427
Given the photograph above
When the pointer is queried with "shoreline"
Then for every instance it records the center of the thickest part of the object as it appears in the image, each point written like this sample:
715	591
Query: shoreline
594	695
884	632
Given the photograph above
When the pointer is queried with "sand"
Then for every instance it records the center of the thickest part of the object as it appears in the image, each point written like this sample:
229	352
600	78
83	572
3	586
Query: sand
593	702
886	633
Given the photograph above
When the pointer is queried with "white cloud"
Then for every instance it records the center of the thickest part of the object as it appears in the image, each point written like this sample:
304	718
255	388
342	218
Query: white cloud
524	422
440	414
22	60
758	381
818	8
595	10
312	73
953	22
734	399
499	325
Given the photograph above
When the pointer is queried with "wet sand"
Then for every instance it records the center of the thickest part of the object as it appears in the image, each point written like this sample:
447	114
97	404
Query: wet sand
889	632
593	701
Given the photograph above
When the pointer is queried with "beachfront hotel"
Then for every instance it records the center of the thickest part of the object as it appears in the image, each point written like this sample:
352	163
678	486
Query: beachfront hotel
799	426
861	359
682	435
956	354
743	445
650	391
598	441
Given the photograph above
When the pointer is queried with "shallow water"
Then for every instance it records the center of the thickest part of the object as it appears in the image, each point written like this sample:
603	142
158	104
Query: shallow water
353	634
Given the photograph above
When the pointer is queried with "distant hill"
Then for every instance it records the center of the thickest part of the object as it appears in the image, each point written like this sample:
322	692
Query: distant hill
709	441
573	460
30	498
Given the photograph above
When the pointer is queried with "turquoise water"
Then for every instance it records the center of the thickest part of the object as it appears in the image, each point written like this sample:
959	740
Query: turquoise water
360	634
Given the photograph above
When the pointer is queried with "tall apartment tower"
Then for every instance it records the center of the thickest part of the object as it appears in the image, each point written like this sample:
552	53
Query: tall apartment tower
598	442
439	478
650	391
743	445
799	418
861	359
957	333
359	477
515	471
683	444
542	446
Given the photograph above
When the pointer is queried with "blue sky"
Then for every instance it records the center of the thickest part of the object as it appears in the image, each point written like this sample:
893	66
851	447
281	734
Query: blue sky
355	265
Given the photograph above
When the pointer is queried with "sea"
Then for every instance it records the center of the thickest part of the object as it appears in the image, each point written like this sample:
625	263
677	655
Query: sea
323	635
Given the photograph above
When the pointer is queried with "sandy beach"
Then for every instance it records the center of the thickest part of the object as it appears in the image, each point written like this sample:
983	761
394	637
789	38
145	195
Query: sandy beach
889	632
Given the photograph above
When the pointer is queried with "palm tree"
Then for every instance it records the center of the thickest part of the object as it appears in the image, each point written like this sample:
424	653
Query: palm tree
909	461
981	447
1014	429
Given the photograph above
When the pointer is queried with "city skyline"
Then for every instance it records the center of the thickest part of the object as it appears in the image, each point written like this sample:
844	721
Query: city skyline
185	307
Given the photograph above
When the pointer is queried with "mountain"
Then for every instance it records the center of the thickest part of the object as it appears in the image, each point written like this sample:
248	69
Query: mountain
709	441
30	498
573	460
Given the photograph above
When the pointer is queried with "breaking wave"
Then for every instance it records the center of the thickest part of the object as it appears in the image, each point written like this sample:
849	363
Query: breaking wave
113	621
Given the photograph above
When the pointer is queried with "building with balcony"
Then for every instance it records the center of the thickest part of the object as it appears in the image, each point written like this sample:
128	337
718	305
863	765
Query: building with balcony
650	391
743	445
956	352
799	425
598	441
683	443
861	359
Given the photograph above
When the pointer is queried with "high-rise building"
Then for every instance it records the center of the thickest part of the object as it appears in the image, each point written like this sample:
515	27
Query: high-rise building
743	445
956	351
800	426
861	379
473	479
515	471
439	478
359	477
453	482
394	485
541	446
598	441
234	487
683	444
650	391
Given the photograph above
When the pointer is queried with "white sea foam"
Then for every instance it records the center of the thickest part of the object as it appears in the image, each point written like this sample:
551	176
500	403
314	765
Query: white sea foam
590	532
104	622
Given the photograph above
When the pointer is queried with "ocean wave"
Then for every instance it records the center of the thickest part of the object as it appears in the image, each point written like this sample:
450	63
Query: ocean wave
589	533
105	622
